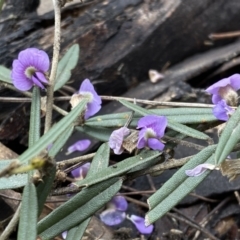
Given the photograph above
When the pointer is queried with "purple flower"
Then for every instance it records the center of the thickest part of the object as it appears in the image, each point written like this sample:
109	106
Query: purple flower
94	101
30	69
225	89
199	170
152	129
64	234
115	213
81	172
222	111
140	224
79	146
116	139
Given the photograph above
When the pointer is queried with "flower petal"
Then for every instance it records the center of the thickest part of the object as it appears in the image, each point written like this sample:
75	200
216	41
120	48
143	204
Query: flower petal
81	172
155	144
112	217
64	234
140	224
119	203
222	111
79	146
116	139
199	170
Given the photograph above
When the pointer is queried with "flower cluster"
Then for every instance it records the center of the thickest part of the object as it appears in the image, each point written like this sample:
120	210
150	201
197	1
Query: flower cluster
152	129
224	95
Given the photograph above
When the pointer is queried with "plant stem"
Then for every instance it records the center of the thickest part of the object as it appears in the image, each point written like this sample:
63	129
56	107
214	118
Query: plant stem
56	49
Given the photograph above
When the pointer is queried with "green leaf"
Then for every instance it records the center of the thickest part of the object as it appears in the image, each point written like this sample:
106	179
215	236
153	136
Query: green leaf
5	74
28	214
229	137
180	176
65	65
77	232
35	117
53	133
176	195
171	124
100	160
61	140
83	212
44	188
119	168
74	203
99	133
14	181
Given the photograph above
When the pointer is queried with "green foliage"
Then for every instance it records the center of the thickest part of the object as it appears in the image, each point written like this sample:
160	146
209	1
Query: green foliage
5	74
65	65
28	214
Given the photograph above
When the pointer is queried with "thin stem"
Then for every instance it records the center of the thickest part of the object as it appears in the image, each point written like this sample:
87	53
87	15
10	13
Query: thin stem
156	103
12	225
15	99
56	49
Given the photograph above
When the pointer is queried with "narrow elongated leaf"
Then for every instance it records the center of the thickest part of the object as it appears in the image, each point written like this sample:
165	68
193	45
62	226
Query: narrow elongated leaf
28	214
119	168
14	181
184	119
99	133
171	124
5	74
53	133
176	195
44	188
65	65
61	140
82	213
35	117
74	203
179	177
100	160
229	137
77	232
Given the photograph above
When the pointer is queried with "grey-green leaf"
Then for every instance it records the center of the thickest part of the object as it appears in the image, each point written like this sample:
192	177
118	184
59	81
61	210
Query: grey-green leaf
229	137
65	65
5	74
53	133
14	181
28	214
119	168
179	177
35	117
82	212
77	232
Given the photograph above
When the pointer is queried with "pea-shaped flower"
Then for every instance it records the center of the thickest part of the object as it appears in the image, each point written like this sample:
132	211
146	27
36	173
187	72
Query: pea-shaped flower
94	101
152	130
225	89
30	69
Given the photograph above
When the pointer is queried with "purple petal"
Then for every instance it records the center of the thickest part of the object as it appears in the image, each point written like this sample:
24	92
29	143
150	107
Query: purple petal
235	81
222	111
141	139
116	139
79	146
64	234
119	203
155	144
41	77
37	82
92	109
81	172
157	123
140	224
112	217
199	170
87	86
147	121
34	57
213	89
